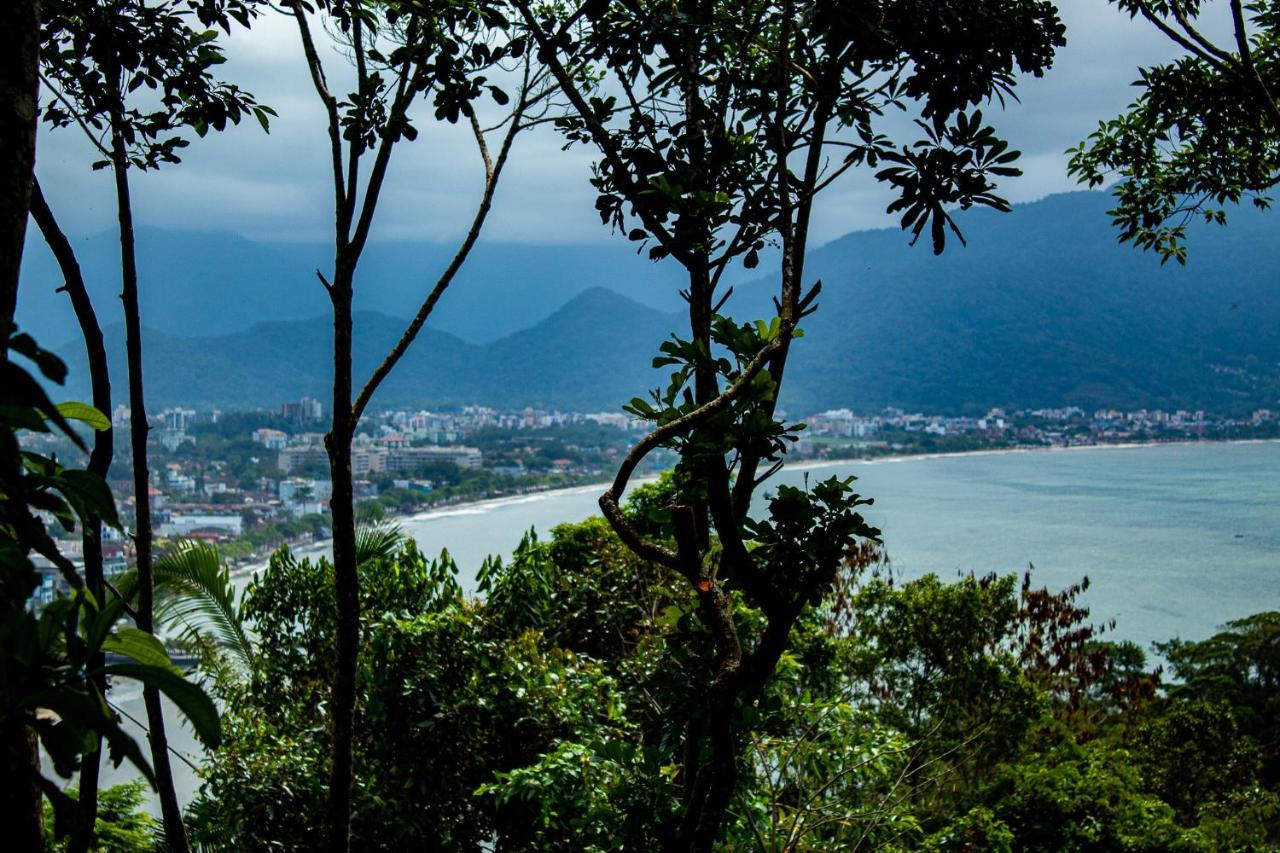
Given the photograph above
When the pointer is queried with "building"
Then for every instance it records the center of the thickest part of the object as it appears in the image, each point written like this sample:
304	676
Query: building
413	458
292	458
305	409
368	460
178	420
185	523
271	439
305	488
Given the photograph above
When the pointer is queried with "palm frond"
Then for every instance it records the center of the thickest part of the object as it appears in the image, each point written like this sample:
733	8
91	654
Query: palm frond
195	596
377	540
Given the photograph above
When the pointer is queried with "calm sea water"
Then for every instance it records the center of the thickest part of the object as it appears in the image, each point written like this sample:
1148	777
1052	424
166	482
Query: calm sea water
1175	539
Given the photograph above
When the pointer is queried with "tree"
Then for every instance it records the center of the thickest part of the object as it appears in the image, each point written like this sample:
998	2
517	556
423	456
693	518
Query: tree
99	462
714	124
1204	132
96	55
19	82
1238	667
402	51
53	665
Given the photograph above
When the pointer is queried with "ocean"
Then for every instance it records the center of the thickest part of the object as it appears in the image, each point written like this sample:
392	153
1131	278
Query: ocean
1175	539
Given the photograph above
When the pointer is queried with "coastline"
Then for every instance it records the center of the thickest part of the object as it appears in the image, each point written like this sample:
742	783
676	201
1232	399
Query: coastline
479	507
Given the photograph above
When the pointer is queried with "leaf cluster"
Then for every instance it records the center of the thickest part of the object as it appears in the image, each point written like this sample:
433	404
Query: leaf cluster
142	73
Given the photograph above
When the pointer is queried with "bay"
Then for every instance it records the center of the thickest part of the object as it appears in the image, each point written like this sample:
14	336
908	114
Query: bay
1175	539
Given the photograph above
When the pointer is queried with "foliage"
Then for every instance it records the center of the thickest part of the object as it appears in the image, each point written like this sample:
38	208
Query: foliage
926	715
50	660
1068	797
1204	132
196	600
1240	669
123	825
96	54
446	700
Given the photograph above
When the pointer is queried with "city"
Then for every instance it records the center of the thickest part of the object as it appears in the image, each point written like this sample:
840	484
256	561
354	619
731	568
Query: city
221	478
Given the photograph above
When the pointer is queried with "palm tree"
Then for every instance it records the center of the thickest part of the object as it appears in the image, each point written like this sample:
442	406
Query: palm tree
196	600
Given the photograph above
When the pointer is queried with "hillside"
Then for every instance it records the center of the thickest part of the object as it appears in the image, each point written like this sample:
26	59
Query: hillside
198	285
1042	308
588	354
1045	308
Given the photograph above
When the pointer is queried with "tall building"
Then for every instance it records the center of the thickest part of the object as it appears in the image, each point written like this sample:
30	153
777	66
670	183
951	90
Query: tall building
306	409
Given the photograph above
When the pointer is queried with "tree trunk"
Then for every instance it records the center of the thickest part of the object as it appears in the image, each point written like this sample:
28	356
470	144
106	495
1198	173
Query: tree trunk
99	463
175	832
20	806
19	91
346	582
20	800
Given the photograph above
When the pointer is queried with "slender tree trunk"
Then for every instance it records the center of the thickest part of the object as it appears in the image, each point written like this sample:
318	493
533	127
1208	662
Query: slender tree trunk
99	463
20	804
346	582
175	832
19	91
20	800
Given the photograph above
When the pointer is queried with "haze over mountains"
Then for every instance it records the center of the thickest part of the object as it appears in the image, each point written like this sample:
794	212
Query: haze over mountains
1042	308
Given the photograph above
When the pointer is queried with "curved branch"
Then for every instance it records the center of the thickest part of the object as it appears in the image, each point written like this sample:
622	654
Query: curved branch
609	500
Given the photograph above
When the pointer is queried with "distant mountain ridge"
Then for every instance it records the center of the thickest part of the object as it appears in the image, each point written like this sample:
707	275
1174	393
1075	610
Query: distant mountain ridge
569	360
206	284
1043	308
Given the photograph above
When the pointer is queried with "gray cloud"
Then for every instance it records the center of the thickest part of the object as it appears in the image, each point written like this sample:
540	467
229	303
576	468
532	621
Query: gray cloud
275	187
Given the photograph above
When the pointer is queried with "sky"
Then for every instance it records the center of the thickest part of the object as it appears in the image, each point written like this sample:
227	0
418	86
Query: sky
275	187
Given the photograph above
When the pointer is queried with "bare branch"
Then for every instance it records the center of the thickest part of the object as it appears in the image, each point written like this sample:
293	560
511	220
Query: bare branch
94	139
493	170
1183	41
1185	23
340	189
603	139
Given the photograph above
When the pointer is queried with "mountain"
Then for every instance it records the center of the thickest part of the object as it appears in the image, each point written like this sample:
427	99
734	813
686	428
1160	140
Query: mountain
1042	307
591	353
199	285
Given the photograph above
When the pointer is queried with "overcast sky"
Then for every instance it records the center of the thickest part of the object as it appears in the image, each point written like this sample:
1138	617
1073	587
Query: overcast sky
277	187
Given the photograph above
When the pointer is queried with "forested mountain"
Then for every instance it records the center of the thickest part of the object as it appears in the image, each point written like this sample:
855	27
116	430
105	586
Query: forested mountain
203	284
588	354
1042	308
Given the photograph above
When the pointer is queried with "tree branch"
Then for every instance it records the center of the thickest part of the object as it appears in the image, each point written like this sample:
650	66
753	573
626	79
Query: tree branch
493	171
1181	40
340	189
609	500
606	143
1246	61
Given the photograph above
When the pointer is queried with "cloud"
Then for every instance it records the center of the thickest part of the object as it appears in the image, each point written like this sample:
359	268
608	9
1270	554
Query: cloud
276	186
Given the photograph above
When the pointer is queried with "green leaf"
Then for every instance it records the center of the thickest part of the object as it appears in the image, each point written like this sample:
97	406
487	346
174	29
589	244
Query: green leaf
89	494
190	698
74	411
22	417
138	645
18	388
196	597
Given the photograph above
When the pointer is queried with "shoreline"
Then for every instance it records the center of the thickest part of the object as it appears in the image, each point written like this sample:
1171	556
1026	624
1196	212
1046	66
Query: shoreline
483	505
